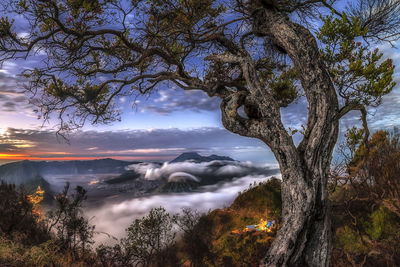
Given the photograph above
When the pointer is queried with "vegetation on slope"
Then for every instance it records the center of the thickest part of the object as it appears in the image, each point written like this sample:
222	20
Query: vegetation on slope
213	241
366	202
366	218
29	237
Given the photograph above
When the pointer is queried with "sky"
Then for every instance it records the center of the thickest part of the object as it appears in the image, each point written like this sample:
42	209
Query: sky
155	128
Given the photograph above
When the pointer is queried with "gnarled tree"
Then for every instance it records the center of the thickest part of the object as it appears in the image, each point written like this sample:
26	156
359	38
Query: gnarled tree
257	54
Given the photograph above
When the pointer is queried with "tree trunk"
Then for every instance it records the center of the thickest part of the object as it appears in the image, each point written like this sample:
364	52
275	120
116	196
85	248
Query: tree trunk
304	238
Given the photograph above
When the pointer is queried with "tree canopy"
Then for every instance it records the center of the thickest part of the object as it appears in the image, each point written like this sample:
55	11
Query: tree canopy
98	50
257	56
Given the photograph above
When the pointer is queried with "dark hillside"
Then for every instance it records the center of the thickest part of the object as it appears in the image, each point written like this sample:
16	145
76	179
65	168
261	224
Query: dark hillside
24	172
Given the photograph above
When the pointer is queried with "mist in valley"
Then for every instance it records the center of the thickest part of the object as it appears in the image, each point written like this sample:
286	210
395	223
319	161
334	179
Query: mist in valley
114	218
115	211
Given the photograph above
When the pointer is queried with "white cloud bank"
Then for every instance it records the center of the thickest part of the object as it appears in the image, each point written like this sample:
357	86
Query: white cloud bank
115	218
151	171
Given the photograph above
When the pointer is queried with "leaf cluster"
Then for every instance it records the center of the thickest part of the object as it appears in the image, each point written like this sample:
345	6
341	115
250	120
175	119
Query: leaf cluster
359	74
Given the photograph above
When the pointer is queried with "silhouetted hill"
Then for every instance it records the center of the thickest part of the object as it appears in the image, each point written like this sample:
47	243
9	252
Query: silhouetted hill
127	176
23	172
195	157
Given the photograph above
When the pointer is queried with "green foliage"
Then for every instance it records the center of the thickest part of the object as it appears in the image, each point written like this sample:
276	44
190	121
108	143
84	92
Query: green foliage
261	198
26	241
362	152
354	137
148	237
283	88
83	7
73	230
197	241
336	30
210	241
18	217
360	75
242	250
350	241
382	224
15	254
150	241
5	27
367	208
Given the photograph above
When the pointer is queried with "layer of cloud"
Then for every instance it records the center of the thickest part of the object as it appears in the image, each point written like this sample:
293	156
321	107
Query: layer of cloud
182	176
115	218
156	144
154	171
12	98
173	99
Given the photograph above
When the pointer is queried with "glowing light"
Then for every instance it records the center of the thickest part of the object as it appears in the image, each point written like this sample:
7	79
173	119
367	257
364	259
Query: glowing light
58	153
93	182
264	225
15	142
23	146
59	157
35	199
11	156
3	131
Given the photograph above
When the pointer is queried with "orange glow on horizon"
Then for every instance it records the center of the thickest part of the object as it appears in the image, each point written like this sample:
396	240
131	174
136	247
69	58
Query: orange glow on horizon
11	156
30	157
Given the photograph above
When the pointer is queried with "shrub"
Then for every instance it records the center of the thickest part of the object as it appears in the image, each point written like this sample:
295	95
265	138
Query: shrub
150	241
350	241
73	230
18	217
382	224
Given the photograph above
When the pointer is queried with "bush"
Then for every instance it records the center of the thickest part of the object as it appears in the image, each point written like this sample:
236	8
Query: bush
18	218
350	241
367	206
150	241
72	228
382	224
26	238
264	198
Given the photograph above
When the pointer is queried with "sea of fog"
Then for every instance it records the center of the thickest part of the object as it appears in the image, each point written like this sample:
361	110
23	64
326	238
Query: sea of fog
116	217
112	210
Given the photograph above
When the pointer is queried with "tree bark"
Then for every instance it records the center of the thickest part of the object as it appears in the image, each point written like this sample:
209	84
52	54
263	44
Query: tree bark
304	238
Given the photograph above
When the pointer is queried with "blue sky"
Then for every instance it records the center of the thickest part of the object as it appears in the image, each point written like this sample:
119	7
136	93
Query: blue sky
158	127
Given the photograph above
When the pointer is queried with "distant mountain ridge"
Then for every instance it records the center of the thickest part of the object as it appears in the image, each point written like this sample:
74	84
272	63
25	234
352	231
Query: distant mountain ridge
196	157
25	171
185	173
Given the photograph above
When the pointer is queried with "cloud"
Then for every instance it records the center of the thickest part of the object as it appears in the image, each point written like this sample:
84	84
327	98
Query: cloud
173	99
145	169
153	171
230	170
9	106
115	218
12	99
157	144
182	176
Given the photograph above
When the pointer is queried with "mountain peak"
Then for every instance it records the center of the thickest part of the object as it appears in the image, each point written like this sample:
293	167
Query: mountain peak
196	157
